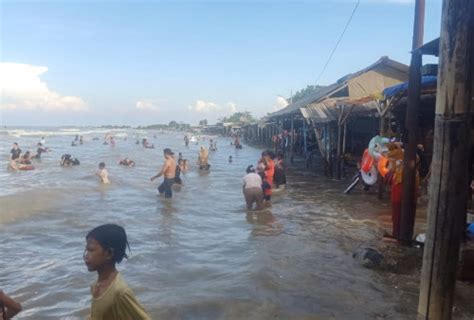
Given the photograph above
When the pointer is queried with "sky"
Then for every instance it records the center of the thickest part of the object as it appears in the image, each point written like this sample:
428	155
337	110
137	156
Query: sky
147	62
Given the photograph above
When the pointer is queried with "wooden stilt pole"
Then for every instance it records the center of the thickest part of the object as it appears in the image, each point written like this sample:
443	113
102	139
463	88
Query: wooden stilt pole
409	197
344	135
321	146
449	180
292	137
339	142
305	146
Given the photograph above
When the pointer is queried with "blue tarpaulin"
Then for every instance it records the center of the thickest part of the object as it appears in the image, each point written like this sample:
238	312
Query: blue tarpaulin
426	82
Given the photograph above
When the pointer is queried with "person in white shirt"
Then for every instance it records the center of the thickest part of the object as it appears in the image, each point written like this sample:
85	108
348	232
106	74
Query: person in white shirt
252	188
103	174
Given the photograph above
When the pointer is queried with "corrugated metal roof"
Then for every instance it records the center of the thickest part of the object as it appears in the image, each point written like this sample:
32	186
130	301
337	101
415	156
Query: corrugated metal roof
319	94
328	110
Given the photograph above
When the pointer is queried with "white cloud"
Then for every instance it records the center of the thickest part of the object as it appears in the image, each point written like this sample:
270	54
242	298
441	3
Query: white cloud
390	1
232	106
204	106
145	104
280	103
21	88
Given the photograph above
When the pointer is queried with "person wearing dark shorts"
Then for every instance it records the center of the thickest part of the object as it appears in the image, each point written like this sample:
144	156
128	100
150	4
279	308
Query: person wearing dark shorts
169	172
165	187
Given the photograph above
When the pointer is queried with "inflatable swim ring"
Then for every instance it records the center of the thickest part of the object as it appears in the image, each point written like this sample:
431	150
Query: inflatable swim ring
369	178
367	161
382	166
26	167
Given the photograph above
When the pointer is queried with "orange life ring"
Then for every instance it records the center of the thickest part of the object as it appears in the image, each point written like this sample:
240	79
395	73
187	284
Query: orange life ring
382	166
367	161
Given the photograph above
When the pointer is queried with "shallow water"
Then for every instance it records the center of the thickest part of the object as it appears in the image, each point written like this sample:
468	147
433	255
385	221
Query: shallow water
199	255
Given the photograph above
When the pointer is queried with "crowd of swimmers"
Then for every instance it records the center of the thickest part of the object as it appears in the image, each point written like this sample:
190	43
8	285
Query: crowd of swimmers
22	161
107	245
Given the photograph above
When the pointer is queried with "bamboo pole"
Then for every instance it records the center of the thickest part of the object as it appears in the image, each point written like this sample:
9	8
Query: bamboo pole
408	210
449	181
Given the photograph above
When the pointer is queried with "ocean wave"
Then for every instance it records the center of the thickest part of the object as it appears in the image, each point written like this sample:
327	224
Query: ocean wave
18	133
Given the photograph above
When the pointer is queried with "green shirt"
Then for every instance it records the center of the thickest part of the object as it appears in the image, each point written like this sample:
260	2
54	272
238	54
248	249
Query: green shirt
117	303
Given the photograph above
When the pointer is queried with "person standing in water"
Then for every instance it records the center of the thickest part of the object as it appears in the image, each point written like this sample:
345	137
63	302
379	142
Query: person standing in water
169	172
112	298
15	152
186	140
252	188
203	159
103	174
39	151
269	171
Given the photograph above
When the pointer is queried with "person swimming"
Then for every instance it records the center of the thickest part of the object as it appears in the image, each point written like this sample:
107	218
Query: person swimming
67	160
26	158
103	174
127	162
106	246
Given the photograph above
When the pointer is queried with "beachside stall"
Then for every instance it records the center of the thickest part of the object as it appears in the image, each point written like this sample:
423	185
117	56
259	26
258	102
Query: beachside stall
326	111
342	128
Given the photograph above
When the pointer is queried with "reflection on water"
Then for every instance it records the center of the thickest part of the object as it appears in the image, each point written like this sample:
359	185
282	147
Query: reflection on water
199	255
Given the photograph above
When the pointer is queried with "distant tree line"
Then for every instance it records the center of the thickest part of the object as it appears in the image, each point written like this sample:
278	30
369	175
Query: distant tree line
173	125
300	94
239	118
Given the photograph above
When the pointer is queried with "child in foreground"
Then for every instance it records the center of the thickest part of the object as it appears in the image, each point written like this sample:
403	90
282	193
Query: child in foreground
111	297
